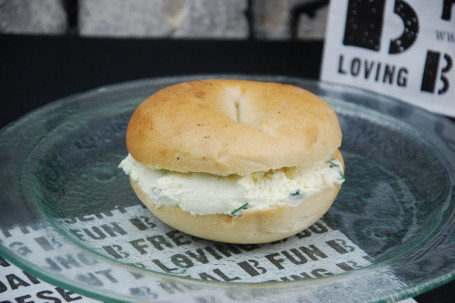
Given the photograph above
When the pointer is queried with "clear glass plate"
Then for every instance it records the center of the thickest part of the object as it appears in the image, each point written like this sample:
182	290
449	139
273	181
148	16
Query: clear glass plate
69	216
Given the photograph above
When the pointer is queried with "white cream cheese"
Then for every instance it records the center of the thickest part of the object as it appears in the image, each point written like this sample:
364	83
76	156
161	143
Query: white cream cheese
202	193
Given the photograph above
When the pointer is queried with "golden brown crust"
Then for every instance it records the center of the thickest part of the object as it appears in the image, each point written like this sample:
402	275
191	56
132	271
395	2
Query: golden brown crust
252	226
232	127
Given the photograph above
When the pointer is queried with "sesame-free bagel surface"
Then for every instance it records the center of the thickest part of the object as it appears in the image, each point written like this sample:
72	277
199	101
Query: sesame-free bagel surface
232	127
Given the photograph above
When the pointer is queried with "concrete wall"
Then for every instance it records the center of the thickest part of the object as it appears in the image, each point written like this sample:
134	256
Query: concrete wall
171	19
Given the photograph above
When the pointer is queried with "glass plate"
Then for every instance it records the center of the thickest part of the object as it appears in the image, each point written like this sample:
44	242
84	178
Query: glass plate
69	216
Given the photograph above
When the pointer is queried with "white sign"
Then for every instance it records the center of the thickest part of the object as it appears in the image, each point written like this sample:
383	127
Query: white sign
403	49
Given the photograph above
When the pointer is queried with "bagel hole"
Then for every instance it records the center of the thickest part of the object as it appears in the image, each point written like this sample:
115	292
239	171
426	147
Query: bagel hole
236	95
243	112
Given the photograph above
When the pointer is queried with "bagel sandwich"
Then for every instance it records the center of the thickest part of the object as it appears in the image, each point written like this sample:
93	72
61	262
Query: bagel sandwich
235	161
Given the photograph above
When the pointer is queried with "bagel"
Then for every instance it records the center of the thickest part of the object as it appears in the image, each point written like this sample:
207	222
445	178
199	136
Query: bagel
234	160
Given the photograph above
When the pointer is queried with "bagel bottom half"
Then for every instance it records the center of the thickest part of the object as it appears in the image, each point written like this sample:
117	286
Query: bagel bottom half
252	226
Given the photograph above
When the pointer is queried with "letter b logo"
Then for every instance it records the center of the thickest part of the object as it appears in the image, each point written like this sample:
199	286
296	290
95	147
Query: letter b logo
431	71
365	20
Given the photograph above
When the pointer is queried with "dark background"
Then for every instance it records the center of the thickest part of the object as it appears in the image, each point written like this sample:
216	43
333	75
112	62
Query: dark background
37	70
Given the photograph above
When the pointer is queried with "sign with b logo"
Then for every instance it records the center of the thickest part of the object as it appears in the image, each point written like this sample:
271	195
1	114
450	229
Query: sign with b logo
404	49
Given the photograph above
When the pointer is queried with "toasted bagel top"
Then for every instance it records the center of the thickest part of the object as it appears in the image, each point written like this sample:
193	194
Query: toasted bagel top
227	127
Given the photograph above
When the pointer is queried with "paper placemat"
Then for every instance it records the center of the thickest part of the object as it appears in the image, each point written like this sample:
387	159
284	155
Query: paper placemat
133	236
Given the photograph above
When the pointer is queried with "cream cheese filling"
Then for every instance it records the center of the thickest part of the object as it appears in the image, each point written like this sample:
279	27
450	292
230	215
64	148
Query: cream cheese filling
203	194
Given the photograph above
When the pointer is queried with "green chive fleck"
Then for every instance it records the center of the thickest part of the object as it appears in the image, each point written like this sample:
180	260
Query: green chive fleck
296	195
341	175
235	211
332	164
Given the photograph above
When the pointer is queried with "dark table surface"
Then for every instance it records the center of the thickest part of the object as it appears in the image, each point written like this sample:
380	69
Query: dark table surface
37	70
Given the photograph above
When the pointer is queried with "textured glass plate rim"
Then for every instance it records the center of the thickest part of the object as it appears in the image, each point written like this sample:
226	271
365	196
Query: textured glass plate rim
82	289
